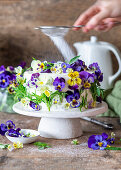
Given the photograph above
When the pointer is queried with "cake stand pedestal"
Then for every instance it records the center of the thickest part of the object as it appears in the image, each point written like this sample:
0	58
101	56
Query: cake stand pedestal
60	124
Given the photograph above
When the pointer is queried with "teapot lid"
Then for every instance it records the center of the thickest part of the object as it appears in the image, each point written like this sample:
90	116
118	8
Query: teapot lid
93	41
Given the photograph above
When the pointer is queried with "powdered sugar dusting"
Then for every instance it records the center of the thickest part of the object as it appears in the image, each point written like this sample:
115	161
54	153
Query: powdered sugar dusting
68	150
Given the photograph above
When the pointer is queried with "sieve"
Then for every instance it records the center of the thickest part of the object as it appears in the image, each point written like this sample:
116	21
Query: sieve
58	27
63	27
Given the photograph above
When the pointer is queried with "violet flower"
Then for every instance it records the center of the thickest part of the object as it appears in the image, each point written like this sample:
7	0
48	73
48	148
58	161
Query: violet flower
14	132
99	75
2	68
23	64
34	76
79	65
73	98
85	76
3	129
10	124
64	67
98	141
94	66
34	106
4	80
59	83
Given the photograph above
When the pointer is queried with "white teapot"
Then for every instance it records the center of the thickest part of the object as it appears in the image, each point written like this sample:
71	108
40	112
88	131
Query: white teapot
98	51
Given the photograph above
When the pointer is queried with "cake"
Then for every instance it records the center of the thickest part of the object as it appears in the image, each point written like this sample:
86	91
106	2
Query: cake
58	86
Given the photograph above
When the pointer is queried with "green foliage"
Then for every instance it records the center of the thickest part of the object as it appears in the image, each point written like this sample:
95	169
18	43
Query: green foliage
20	92
112	148
73	60
96	91
4	146
42	145
84	102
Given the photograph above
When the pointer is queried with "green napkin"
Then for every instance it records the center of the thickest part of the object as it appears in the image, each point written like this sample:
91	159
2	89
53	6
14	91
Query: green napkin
113	99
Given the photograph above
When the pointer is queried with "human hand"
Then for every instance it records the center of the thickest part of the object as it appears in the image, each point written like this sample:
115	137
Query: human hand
101	16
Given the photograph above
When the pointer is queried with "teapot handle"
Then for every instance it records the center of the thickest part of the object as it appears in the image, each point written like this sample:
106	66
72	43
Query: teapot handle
118	55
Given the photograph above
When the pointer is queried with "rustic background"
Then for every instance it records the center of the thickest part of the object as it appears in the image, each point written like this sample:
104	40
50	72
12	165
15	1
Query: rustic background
19	41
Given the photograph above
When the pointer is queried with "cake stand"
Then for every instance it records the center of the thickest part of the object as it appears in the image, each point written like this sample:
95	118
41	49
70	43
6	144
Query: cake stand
60	124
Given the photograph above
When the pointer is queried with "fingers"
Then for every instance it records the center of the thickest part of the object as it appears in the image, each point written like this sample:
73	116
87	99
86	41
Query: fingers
96	20
84	18
104	27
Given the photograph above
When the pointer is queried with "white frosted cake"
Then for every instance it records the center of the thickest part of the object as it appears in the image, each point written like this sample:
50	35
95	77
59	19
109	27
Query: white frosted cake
58	86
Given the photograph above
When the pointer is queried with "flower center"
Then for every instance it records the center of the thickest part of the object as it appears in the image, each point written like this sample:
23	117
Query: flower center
3	80
100	144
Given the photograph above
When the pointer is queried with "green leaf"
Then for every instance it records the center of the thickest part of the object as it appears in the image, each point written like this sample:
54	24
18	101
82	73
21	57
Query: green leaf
42	145
4	146
73	60
33	58
98	91
112	148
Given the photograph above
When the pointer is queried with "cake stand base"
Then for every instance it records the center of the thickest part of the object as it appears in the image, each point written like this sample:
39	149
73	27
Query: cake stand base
60	128
60	124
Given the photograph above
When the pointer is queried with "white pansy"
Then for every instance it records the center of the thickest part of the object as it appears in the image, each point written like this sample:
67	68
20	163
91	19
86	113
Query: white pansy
35	65
18	70
25	101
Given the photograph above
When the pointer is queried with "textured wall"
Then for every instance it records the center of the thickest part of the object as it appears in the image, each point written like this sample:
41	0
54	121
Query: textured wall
19	41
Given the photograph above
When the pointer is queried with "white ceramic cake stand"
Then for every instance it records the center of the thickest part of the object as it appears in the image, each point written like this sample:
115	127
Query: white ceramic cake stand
60	125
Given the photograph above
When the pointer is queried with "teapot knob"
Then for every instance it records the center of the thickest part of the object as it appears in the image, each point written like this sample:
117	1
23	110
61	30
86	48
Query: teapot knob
93	39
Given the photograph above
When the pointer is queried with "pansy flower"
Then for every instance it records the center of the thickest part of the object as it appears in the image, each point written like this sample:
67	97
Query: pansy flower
73	98
99	75
94	66
3	129
75	81
64	67
34	106
10	124
4	80
98	141
59	83
79	65
14	132
87	79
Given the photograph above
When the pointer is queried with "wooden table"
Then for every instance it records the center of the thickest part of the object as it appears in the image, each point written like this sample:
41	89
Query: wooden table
63	155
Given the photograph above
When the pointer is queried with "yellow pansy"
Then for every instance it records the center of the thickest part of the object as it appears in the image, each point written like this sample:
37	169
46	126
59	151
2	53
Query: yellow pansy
74	74
15	145
42	65
67	106
47	93
74	78
87	85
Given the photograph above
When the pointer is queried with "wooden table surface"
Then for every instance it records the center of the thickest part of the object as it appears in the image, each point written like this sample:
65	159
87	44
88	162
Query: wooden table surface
62	155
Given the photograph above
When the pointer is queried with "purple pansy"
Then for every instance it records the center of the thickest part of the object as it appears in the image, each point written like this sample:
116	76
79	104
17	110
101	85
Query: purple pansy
64	67
34	105
3	129
10	124
2	68
94	66
4	80
79	65
85	76
23	64
14	132
98	141
34	76
73	98
46	71
99	75
59	83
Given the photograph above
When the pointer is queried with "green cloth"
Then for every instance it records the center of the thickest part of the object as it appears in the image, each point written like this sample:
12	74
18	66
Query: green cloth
113	99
